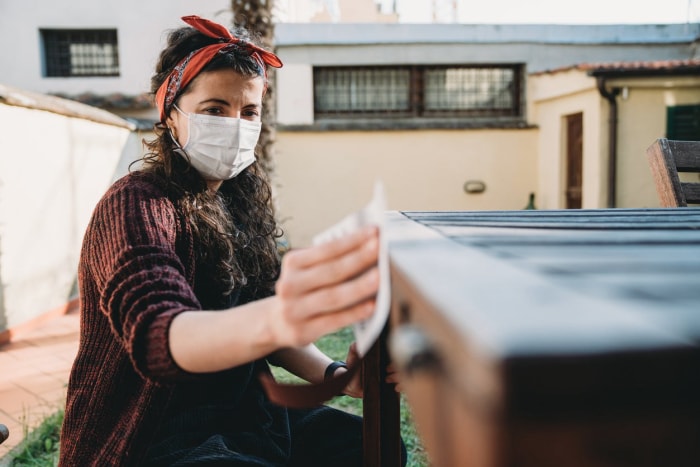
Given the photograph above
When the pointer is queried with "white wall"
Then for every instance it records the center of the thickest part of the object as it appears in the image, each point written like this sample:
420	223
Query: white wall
140	26
295	94
53	169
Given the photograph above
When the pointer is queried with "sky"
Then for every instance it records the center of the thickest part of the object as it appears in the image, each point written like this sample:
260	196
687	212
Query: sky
552	11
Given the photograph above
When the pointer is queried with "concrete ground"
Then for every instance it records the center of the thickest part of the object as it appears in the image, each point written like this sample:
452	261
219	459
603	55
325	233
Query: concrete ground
34	369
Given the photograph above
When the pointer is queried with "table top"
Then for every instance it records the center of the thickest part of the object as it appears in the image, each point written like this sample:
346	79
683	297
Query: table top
530	286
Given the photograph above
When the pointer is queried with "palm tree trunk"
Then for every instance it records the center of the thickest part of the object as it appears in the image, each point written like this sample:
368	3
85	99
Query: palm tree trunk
256	16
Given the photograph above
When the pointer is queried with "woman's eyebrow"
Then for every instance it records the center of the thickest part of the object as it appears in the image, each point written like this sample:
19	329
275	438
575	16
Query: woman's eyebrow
214	100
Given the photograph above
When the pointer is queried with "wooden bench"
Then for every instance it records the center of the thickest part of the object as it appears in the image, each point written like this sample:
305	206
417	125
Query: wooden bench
668	158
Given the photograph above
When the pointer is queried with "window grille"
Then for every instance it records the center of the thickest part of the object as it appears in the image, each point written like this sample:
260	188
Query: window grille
362	90
417	91
80	52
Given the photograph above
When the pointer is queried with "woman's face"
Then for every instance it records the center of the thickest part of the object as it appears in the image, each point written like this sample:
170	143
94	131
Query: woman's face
223	93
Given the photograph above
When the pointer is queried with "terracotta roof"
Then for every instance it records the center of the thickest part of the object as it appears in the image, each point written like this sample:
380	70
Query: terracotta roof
656	67
114	100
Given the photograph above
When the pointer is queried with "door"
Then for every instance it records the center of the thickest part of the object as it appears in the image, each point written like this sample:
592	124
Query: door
574	160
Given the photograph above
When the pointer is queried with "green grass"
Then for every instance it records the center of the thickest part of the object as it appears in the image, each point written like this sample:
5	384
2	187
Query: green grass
40	448
336	346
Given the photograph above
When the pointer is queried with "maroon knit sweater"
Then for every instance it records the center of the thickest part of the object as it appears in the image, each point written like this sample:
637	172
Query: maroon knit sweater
136	274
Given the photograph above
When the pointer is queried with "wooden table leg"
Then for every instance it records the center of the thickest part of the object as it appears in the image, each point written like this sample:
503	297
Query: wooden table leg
381	409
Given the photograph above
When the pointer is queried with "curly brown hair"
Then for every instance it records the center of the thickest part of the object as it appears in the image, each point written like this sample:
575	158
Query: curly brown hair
234	228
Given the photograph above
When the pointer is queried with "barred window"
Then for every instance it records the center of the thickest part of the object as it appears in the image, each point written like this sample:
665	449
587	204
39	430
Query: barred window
362	90
80	52
417	91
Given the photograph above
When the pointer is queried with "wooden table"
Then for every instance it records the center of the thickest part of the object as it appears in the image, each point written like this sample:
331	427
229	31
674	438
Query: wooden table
549	338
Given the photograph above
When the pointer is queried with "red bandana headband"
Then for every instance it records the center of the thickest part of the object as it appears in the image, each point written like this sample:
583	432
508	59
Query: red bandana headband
190	66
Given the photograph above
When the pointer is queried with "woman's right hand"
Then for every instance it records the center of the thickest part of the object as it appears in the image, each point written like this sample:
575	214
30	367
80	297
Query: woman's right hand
326	287
320	290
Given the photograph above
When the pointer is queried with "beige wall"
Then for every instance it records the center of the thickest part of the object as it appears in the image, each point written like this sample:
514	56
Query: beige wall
641	119
553	98
321	176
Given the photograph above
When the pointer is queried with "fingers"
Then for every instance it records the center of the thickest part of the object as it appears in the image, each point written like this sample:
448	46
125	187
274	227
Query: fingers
355	388
332	285
321	324
353	356
330	273
308	257
326	268
339	297
392	377
326	287
296	326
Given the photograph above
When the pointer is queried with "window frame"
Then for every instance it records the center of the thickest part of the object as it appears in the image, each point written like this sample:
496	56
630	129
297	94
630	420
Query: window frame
58	57
417	99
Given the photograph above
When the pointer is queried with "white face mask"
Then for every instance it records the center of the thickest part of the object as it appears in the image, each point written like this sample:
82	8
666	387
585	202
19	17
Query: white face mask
219	148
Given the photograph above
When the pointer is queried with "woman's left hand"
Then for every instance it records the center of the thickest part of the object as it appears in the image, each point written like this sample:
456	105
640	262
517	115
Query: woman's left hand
356	386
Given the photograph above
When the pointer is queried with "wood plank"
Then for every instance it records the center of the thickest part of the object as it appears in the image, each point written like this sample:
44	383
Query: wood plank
381	434
592	253
665	173
453	387
572	213
691	191
645	242
464	284
585	223
491	236
572	219
676	291
686	155
649	439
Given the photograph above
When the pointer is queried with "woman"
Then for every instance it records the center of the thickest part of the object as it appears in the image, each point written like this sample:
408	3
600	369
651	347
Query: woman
184	299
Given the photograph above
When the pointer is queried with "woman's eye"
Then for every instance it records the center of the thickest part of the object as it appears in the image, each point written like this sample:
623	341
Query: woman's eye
213	111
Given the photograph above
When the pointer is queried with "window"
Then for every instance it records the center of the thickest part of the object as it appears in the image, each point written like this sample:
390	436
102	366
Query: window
683	122
80	52
417	91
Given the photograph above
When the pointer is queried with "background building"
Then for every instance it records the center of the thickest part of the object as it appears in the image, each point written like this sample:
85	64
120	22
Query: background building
100	53
431	108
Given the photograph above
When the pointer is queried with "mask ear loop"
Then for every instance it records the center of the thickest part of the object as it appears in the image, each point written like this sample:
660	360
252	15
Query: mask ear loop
172	136
182	153
179	149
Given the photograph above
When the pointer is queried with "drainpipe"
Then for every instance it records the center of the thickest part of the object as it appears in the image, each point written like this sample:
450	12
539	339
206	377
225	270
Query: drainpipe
612	137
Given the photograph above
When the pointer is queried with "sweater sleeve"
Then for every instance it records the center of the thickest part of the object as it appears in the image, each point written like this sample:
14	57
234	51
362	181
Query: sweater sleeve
131	250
